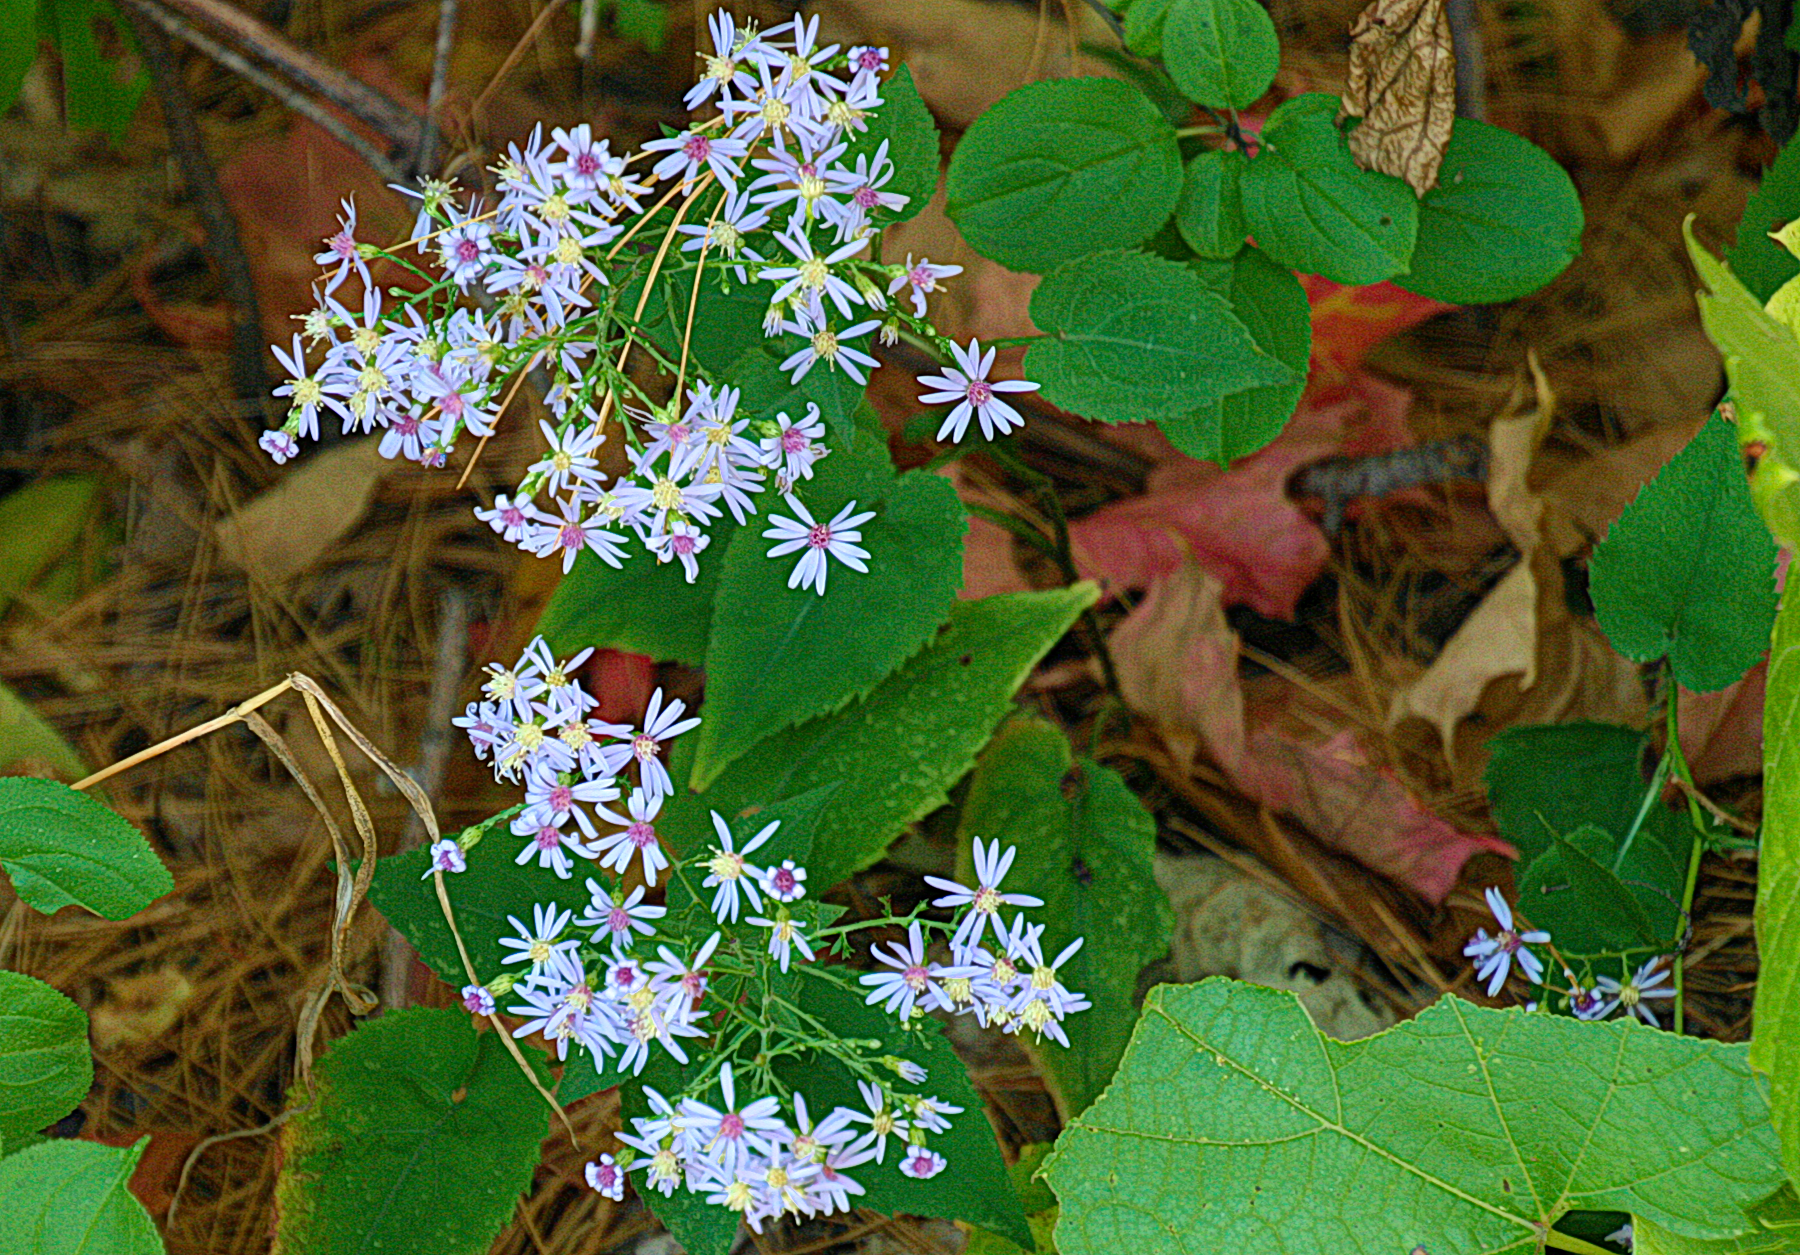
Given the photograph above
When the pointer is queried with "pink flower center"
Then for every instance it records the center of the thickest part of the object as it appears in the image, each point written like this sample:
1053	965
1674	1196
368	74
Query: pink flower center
407	425
619	920
731	1126
694	985
914	977
793	440
536	275
625	976
980	391
571	535
818	536
682	543
513	516
697	148
586	164
467	251
343	245
607	1175
868	59
548	838
783	880
452	403
866	197
644	746
641	835
562	798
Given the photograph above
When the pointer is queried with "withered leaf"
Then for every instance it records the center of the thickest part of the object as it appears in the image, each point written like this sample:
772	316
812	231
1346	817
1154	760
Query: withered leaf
1403	86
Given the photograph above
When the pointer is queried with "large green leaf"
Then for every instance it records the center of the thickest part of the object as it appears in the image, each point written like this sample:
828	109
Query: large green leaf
38	523
645	608
97	90
912	139
1059	169
63	848
18	47
1760	262
1132	337
419	1135
1210	214
778	655
1688	570
27	737
898	750
1221	53
1088	856
45	1066
1503	220
1775	1049
1233	1124
71	1198
1773	1229
1311	208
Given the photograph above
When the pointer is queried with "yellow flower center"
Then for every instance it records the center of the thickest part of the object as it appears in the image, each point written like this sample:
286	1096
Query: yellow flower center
814	272
1043	977
540	951
307	391
726	866
568	250
825	345
666	495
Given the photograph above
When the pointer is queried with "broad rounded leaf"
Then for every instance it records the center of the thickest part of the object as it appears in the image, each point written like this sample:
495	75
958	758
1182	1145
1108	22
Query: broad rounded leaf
1210	214
62	848
1132	337
1464	1129
777	655
646	607
45	1064
71	1198
1221	53
1503	220
419	1135
1060	169
1775	1048
1695	518
1311	209
1598	910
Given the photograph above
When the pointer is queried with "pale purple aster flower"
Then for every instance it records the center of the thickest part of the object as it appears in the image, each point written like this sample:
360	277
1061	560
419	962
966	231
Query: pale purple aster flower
538	944
1043	1001
572	533
727	872
680	541
868	59
811	277
683	983
1584	1003
279	445
690	150
828	346
465	251
922	276
651	1025
1646	982
735	481
725	233
728	1134
837	538
509	517
1622	1236
968	385
911	979
606	1177
784	935
802	178
548	843
460	398
861	188
408	435
637	837
341	249
304	388
883	1120
723	65
478	1000
786	883
908	1071
1494	955
569	461
794	447
985	899
661	724
619	919
932	1113
922	1163
586	161
446	856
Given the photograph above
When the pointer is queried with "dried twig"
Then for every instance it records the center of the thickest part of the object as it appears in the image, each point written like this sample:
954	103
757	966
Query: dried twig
426	159
1341	480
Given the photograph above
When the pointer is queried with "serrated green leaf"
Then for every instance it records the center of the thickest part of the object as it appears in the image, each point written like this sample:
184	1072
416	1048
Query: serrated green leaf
1060	169
1464	1129
1222	53
1270	302
45	1066
419	1134
907	126
493	887
1775	1048
96	91
778	656
644	607
1502	221
1762	361
71	1198
1761	263
1694	517
898	750
1089	858
1311	208
1210	214
1132	337
63	848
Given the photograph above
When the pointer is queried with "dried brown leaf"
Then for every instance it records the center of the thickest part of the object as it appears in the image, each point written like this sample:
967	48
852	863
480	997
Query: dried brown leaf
1402	85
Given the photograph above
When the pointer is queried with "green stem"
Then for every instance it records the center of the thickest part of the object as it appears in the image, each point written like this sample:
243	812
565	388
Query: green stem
1186	131
1658	779
1698	817
1569	1242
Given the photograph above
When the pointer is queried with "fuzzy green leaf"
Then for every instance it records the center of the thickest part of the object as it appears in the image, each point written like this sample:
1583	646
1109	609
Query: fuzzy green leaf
905	123
778	655
1234	1121
1503	220
1775	1049
1133	337
1312	209
1088	857
419	1135
1221	53
63	848
1060	169
72	1198
898	750
45	1066
1210	214
1694	517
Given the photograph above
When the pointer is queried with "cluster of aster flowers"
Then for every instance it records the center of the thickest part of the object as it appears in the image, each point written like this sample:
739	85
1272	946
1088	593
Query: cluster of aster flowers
1494	955
771	198
690	977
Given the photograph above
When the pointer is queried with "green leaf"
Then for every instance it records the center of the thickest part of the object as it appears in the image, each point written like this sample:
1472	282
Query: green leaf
1222	53
1762	360
1602	914
1503	220
45	1067
1268	300
26	737
71	1198
906	124
1463	1129
1144	26
1132	337
1695	517
1089	858
1772	1227
1060	169
419	1135
1761	263
646	21
1312	209
18	47
645	607
96	91
898	750
1775	1048
1210	214
778	655
38	524
63	848
493	887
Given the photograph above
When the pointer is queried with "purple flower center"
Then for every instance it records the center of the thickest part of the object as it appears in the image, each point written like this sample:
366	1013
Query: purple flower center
693	984
868	59
914	977
562	798
731	1126
697	148
644	746
980	391
682	543
641	834
793	440
343	245
619	920
547	837
607	1175
1509	941
586	164
818	536
571	535
513	516
866	197
467	251
784	881
452	403
407	425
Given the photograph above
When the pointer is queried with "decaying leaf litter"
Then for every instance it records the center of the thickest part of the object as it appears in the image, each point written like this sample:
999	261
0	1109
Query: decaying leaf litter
1358	669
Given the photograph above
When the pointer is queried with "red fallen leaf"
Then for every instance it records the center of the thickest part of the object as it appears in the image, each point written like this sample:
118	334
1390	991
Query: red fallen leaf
1237	523
622	682
153	1180
1349	321
1334	791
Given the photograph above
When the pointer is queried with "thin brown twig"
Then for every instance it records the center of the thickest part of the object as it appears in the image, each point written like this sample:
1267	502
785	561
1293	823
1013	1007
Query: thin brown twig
518	50
426	158
194	733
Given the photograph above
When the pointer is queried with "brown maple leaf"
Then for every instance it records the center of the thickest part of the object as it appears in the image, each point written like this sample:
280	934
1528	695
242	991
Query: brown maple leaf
1403	86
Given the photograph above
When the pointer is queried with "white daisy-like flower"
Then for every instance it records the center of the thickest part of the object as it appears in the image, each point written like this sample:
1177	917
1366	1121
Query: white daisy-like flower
837	538
541	942
991	866
570	462
784	937
826	345
446	856
637	837
690	150
911	979
884	1120
975	395
727	872
1646	982
922	1163
786	883
606	1177
728	1134
1494	955
922	276
661	724
795	446
478	1000
680	541
619	919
